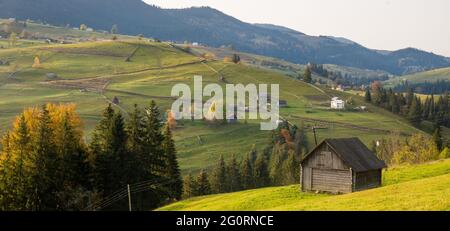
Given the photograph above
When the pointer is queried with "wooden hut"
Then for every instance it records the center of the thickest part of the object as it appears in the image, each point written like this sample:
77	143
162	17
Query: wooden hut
341	166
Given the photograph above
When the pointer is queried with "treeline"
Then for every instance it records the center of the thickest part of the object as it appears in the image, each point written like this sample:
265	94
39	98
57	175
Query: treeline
45	163
344	79
278	164
438	87
409	105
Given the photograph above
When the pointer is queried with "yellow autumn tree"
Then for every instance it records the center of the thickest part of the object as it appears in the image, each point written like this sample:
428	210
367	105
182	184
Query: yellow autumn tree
45	144
37	62
418	149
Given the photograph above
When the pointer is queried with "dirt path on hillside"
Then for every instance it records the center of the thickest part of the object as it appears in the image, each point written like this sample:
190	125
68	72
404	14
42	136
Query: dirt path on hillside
346	125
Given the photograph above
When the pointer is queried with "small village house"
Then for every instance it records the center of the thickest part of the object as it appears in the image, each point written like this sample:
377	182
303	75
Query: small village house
337	103
341	166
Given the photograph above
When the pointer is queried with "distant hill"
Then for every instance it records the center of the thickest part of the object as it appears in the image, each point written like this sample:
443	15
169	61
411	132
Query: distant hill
214	28
442	74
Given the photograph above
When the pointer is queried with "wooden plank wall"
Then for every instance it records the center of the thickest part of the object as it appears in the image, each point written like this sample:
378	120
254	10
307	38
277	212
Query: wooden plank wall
331	180
368	180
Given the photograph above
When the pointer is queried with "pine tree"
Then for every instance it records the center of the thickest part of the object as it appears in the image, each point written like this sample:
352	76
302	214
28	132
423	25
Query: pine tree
393	103
437	138
291	169
415	113
275	167
368	97
307	76
410	97
45	169
234	175
172	172
203	186
431	109
105	146
135	130
426	108
153	137
247	178
260	172
189	186
219	177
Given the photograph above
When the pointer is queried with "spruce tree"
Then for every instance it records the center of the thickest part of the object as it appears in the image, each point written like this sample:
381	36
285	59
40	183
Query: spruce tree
189	186
437	138
43	186
153	137
291	169
275	166
368	97
415	113
234	175
431	109
410	97
247	178
203	186
172	172
219	177
260	172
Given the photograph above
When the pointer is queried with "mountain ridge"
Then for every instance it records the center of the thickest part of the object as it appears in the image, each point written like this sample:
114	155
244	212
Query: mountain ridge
214	28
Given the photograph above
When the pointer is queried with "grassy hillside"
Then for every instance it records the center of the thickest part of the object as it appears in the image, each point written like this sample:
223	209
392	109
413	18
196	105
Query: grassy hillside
429	76
423	187
91	74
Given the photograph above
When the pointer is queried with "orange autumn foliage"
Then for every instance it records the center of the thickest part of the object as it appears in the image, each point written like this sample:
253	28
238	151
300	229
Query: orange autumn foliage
171	122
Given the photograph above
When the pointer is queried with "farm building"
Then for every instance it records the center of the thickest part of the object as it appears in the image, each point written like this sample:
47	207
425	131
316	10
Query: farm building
341	166
337	103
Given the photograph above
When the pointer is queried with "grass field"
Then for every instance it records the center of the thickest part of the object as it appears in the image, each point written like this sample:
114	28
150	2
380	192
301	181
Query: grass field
90	74
427	76
423	187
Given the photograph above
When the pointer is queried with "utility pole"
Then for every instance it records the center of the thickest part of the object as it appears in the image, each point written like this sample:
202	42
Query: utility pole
129	197
314	128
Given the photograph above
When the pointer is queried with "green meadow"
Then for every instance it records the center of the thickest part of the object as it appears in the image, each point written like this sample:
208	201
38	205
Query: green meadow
422	187
91	74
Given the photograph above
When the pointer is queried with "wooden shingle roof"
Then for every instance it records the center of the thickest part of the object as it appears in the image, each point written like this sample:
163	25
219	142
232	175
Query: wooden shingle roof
354	153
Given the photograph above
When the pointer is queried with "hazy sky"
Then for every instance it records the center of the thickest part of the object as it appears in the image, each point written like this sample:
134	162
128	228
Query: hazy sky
377	24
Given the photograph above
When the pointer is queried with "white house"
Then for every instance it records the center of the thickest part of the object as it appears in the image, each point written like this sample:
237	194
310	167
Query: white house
337	103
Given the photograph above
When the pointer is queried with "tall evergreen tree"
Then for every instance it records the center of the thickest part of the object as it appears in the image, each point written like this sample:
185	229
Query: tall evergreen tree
190	188
203	186
234	175
276	165
437	138
260	172
172	172
291	169
219	177
153	137
45	170
367	96
247	178
415	113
